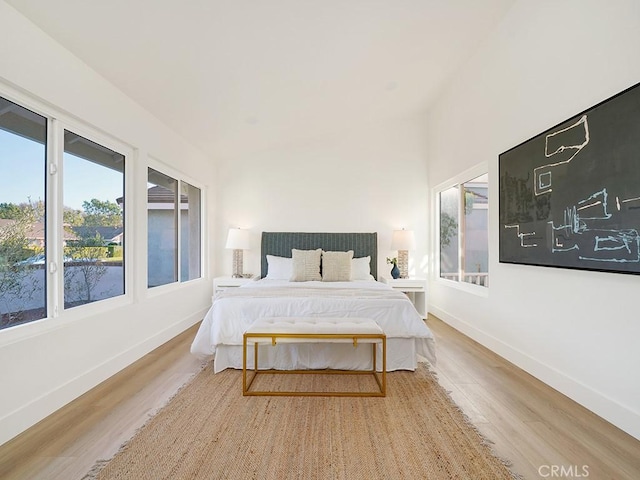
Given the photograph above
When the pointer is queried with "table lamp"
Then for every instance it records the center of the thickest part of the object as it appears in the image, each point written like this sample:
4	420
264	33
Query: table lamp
237	240
403	241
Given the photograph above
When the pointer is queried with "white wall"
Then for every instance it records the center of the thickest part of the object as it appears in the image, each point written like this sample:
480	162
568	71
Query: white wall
45	364
575	330
372	179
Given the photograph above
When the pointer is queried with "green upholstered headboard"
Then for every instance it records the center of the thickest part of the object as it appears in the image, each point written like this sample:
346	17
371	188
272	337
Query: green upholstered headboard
281	243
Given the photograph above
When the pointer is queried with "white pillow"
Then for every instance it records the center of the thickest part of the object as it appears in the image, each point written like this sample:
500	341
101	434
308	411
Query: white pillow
336	266
361	268
279	268
306	265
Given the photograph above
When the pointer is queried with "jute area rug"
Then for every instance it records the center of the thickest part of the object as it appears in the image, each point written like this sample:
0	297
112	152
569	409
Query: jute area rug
210	431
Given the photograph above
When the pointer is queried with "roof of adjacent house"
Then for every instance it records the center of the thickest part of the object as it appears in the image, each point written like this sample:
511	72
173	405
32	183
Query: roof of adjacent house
159	194
36	231
107	233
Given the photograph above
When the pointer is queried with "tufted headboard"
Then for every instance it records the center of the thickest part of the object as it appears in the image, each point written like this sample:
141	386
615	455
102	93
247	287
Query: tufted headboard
281	243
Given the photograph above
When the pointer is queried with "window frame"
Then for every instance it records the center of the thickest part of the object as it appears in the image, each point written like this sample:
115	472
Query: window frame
127	173
21	102
135	180
57	315
57	199
457	181
161	167
200	230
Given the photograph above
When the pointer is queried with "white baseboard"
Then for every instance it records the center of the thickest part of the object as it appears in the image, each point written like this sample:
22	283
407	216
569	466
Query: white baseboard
619	415
32	412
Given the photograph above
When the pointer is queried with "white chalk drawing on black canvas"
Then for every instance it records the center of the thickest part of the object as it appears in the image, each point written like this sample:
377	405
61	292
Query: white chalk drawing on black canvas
555	145
570	196
575	232
525	238
594	244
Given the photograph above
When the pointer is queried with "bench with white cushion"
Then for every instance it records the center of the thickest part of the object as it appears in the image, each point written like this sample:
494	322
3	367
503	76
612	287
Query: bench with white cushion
274	330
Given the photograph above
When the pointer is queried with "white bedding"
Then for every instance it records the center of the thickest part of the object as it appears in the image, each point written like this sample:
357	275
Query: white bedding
234	310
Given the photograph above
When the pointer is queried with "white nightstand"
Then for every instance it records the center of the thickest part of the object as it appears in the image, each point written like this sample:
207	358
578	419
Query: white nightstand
222	283
415	288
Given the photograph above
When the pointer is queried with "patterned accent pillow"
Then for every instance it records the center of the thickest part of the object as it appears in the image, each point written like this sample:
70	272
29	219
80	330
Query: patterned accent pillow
306	265
336	266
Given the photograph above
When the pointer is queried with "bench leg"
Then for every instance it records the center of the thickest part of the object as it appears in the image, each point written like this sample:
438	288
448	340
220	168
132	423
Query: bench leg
384	366
244	364
374	347
255	357
246	386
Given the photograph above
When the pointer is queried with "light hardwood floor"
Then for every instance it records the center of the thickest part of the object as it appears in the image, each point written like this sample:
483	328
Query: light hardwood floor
538	429
65	445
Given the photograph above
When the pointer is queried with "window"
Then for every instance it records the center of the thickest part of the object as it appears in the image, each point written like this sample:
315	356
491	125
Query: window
93	221
464	238
62	218
48	266
162	229
169	232
23	146
189	232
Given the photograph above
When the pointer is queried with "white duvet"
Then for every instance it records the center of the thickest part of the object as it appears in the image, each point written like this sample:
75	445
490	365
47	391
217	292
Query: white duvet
234	310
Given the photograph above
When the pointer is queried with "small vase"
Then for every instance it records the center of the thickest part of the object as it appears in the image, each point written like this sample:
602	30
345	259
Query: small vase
395	271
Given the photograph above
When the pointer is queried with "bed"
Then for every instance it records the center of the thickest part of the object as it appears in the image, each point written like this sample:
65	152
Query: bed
273	294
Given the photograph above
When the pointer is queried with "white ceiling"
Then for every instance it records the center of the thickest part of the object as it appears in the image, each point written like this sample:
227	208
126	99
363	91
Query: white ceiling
235	76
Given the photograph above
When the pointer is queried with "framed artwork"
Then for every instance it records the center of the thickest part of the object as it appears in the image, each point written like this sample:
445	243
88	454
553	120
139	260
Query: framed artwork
570	196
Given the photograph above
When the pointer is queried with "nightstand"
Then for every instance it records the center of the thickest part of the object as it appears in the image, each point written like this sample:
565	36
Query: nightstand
222	283
414	288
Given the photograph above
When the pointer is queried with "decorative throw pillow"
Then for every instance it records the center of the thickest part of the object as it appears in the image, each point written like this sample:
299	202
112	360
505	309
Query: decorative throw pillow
361	268
279	268
306	265
336	266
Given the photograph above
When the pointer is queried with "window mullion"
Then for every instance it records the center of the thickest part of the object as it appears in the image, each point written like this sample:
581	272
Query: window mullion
461	233
176	221
179	232
54	222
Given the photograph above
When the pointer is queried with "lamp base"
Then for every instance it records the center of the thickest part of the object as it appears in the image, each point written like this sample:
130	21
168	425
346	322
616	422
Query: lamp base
403	263
237	264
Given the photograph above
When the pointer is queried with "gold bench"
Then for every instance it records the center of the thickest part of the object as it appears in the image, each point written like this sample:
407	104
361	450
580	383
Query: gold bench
274	330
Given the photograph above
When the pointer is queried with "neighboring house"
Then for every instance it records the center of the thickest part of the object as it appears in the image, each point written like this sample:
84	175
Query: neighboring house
108	234
36	234
161	249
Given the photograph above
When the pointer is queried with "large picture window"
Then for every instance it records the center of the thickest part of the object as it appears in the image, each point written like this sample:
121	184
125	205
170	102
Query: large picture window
94	221
62	218
173	230
46	265
23	146
463	226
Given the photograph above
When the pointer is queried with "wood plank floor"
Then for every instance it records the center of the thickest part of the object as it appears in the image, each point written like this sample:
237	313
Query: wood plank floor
536	428
65	445
539	430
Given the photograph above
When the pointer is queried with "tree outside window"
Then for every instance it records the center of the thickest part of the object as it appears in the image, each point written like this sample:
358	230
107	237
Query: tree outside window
23	138
94	262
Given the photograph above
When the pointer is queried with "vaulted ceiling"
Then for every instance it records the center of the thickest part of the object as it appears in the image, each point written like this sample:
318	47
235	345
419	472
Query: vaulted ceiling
235	76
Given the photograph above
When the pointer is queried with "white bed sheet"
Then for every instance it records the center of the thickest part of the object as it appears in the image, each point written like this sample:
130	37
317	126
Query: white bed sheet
234	310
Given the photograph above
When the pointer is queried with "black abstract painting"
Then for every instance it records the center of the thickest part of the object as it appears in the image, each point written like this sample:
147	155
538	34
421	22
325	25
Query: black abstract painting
570	197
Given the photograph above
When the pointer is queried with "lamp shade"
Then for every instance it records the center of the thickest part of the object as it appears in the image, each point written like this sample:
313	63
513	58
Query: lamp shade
403	240
238	239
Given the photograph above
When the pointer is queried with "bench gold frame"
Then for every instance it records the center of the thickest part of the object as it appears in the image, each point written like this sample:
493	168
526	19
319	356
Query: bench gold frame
373	339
